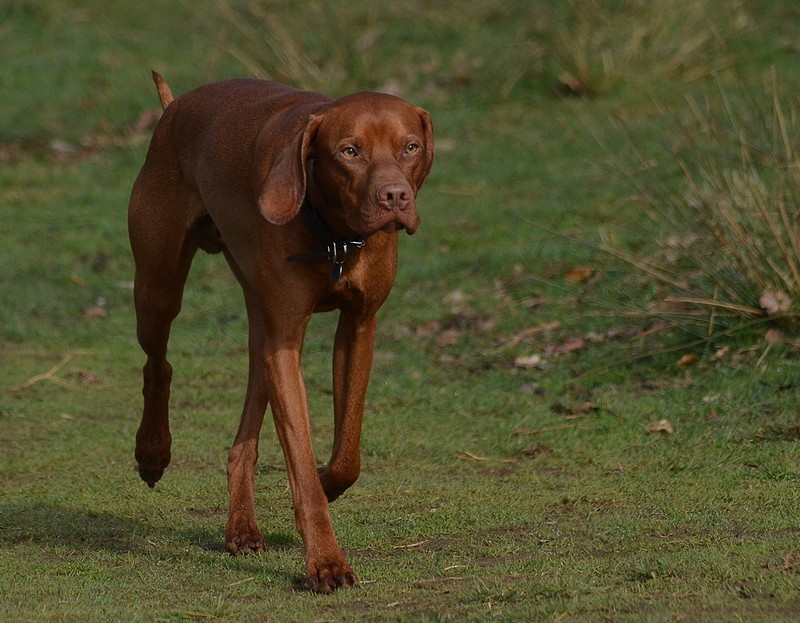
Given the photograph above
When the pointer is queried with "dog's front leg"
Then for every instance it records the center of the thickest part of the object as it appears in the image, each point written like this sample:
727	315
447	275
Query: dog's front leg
352	361
326	566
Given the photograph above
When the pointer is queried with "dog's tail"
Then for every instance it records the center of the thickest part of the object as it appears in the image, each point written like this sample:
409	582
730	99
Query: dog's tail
164	93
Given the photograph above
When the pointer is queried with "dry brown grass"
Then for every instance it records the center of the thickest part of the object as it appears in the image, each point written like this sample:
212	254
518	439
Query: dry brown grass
727	251
606	42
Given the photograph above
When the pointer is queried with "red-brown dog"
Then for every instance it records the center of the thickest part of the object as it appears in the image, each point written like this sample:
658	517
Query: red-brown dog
305	196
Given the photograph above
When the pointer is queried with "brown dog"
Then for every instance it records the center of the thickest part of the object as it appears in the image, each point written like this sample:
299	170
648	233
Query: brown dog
305	196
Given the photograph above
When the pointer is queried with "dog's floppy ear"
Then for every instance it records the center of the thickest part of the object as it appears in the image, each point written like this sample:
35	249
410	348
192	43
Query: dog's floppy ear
285	187
427	127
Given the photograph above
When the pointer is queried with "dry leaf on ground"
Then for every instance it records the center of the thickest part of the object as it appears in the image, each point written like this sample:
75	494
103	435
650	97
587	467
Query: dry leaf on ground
721	354
87	377
448	337
661	426
570	346
529	361
532	332
773	336
775	302
97	311
579	274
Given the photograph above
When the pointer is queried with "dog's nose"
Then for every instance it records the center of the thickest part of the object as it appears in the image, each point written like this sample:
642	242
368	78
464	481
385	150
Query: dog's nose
395	197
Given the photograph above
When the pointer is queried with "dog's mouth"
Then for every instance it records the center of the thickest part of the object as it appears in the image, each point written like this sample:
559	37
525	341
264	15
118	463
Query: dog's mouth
393	222
395	226
369	218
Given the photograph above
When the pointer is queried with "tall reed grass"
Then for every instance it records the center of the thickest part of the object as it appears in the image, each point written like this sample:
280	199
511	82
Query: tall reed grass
726	251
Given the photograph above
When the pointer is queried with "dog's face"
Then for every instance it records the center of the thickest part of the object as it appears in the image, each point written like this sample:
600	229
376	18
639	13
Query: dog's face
375	150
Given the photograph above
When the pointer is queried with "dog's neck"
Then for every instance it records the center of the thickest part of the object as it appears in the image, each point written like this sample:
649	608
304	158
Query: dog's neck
336	249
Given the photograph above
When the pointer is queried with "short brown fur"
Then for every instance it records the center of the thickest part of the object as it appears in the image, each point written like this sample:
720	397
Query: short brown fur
228	168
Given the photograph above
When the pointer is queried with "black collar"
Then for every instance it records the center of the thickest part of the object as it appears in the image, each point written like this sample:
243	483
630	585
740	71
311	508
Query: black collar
336	250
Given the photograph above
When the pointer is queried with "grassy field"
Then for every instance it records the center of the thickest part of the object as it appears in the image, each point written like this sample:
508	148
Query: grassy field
541	443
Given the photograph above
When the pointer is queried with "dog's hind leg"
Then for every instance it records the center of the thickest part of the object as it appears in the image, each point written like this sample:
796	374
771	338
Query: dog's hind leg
163	243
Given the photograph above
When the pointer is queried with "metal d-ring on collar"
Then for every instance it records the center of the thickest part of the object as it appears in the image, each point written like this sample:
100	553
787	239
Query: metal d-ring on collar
336	250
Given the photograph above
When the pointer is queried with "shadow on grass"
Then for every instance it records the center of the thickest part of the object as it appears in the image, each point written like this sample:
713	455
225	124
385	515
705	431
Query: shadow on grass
52	525
55	525
54	528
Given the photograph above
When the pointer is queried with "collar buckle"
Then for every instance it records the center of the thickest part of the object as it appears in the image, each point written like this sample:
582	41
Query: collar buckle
336	250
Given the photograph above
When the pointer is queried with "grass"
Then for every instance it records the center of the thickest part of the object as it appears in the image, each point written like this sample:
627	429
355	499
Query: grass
725	248
490	491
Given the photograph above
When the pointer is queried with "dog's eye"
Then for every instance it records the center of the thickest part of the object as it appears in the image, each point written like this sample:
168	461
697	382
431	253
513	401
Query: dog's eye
350	152
412	148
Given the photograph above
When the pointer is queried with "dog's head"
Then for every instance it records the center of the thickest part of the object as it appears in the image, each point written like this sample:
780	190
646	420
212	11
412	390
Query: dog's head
365	156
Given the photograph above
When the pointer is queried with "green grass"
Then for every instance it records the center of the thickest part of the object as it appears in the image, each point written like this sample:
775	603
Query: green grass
489	491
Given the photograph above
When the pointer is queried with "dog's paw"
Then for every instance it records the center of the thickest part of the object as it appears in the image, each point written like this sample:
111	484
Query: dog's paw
152	457
151	475
151	466
329	576
246	544
244	537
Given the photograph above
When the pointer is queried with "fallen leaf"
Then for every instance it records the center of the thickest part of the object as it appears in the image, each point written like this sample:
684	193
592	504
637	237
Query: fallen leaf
775	302
87	377
529	361
773	336
578	275
95	312
687	360
721	354
661	426
595	337
570	346
448	337
532	332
